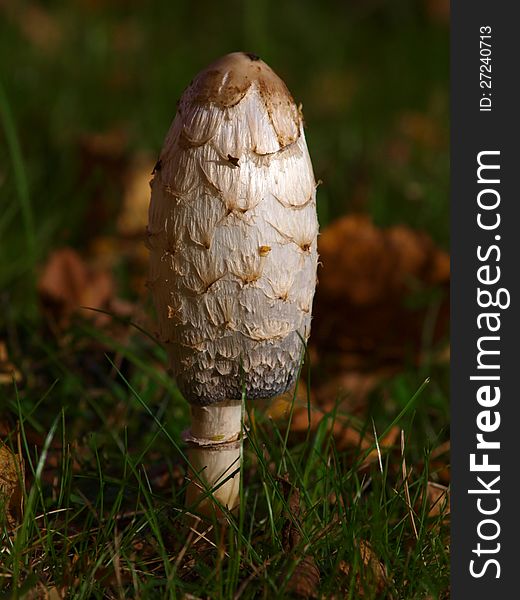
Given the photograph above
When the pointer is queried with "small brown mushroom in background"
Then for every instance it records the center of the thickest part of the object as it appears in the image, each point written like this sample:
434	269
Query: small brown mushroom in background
233	240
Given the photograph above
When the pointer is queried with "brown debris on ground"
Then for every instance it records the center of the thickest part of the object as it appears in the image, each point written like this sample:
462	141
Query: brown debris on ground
368	280
373	572
343	427
438	500
67	283
8	371
305	578
12	482
70	285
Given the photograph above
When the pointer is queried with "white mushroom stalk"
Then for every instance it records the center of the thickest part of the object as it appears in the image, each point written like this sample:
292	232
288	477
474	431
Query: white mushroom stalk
233	240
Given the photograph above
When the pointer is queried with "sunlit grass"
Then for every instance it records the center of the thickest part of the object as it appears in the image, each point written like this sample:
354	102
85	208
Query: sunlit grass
98	521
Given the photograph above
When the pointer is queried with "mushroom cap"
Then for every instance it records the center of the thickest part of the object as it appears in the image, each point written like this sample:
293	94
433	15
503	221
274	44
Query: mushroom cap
232	234
226	81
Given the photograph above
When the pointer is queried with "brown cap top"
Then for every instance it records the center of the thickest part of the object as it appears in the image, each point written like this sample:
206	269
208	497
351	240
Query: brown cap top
226	81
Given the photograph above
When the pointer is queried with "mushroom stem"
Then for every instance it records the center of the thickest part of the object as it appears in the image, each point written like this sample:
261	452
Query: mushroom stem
215	449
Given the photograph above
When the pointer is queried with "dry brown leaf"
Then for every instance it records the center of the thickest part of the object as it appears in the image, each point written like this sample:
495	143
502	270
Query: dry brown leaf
438	499
370	559
305	578
8	372
364	265
68	283
54	594
357	263
342	429
279	407
442	449
374	571
367	275
42	592
41	28
12	481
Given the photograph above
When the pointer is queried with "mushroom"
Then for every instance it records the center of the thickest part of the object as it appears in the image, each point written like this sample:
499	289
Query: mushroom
233	256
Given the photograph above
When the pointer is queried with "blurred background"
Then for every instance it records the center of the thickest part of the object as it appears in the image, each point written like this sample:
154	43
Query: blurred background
88	91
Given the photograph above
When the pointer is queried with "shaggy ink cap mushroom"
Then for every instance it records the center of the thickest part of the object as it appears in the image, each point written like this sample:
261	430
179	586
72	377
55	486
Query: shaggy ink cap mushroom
232	234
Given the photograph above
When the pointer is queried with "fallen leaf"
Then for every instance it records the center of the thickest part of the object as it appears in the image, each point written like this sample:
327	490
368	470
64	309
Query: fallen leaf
12	481
42	592
370	559
8	372
373	573
305	578
366	281
365	265
68	283
341	427
438	499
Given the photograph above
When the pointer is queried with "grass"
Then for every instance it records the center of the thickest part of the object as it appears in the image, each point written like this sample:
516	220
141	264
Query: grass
105	515
100	421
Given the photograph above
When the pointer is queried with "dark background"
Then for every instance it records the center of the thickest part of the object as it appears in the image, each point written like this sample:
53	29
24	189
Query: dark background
88	89
372	77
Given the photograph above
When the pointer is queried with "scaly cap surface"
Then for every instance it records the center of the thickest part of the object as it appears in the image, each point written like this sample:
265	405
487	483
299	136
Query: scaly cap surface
232	234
